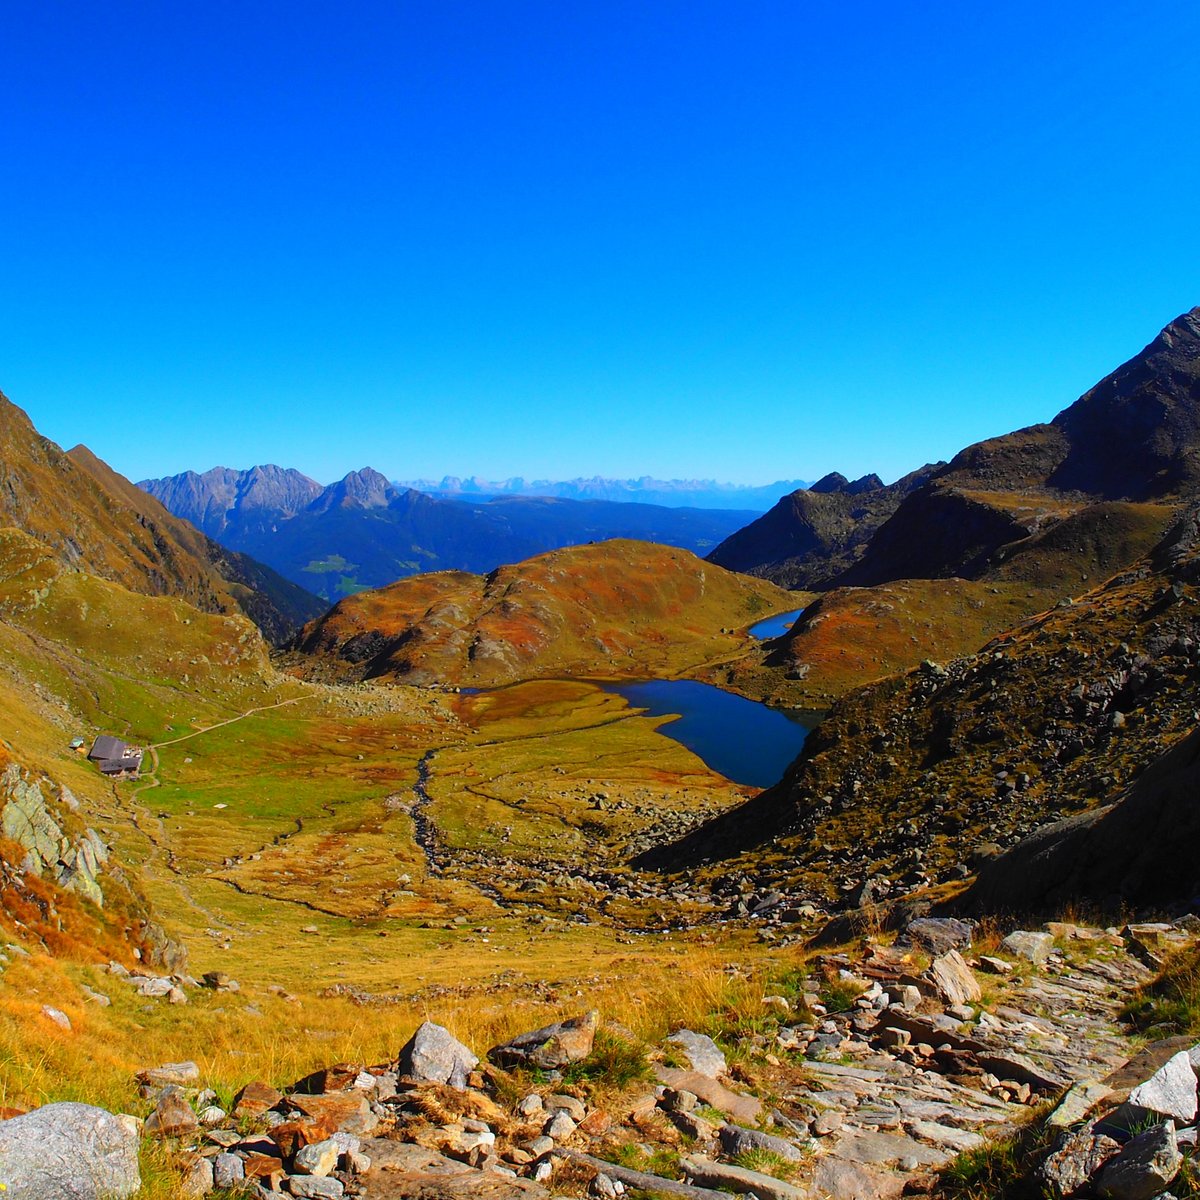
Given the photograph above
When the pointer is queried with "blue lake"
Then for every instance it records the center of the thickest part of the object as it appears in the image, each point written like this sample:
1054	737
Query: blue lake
775	626
743	740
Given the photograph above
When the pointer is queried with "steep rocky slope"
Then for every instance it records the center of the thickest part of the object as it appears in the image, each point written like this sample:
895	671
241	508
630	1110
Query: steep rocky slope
614	608
363	531
95	520
814	535
920	777
1134	437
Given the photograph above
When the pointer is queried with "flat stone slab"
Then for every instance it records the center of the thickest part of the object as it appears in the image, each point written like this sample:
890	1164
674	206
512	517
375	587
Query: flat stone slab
743	1109
835	1179
884	1149
400	1171
1077	1103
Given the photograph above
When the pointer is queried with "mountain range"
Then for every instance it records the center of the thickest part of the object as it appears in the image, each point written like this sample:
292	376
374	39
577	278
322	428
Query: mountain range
364	531
670	493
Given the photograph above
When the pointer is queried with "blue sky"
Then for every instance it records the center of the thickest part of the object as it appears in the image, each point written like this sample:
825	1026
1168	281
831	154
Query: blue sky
745	241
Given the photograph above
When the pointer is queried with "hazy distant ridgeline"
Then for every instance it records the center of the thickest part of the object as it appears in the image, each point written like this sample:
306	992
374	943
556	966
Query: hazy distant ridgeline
670	493
364	531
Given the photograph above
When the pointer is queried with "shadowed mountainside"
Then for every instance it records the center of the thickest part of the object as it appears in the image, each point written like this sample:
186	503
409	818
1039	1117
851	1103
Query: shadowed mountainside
918	778
1134	437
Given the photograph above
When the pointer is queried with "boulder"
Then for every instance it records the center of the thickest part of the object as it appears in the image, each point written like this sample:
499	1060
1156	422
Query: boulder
316	1187
936	935
69	1152
346	1111
172	1116
1144	1167
255	1099
1170	1091
181	1074
737	1140
952	979
320	1158
434	1055
702	1052
1031	946
551	1047
1076	1159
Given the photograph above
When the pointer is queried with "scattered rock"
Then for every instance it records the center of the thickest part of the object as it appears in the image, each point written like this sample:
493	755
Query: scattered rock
180	1074
1170	1091
707	1173
1077	1103
319	1158
254	1100
937	935
172	1116
735	1140
434	1055
827	1123
56	1015
702	1052
551	1047
952	979
1031	946
1077	1158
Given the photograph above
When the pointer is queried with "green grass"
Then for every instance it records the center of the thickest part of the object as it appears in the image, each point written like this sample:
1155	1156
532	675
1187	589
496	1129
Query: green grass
767	1162
1170	1003
614	1061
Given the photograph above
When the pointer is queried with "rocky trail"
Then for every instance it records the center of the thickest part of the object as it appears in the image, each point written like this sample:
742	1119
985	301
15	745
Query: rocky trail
883	1069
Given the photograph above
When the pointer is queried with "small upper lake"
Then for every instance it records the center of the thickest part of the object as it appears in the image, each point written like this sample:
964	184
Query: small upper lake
743	740
775	626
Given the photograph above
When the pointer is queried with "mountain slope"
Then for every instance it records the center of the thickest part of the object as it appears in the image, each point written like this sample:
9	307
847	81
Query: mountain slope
616	608
1134	437
95	520
914	779
363	531
814	535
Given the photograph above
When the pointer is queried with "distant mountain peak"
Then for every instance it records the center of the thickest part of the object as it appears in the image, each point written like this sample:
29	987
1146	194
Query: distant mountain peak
669	493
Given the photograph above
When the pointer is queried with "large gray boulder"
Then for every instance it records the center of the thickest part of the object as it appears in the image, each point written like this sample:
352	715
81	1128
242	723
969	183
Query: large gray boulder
68	1152
1170	1091
1144	1167
434	1055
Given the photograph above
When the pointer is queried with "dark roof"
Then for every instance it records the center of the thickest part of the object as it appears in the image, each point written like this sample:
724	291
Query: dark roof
130	760
106	746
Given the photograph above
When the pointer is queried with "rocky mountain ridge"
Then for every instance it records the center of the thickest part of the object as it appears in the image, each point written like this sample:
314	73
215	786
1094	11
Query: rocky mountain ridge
1134	437
363	531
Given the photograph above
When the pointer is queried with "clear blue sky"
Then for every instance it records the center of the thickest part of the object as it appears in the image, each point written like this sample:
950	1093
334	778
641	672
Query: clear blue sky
740	240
